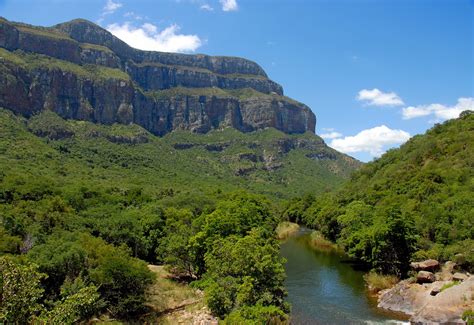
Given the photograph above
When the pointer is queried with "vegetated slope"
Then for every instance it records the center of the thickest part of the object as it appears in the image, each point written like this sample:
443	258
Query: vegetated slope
85	207
67	151
414	202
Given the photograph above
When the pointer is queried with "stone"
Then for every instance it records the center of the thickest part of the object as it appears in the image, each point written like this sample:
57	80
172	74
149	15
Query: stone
459	276
428	265
423	307
425	277
436	287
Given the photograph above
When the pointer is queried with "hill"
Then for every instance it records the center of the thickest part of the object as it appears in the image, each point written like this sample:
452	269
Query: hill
414	202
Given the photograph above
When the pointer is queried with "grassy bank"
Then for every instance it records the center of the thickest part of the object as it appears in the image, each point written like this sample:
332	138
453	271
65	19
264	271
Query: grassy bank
286	229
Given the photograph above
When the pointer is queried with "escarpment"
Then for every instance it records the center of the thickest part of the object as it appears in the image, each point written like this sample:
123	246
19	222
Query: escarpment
81	71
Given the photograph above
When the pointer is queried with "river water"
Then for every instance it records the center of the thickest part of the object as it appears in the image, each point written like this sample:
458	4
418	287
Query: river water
323	288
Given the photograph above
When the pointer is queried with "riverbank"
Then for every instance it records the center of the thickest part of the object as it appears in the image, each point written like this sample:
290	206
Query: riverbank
324	287
432	297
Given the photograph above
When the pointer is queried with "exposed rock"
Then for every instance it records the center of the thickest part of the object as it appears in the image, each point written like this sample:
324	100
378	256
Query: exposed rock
417	301
425	277
250	156
321	156
437	286
216	147
183	146
428	265
131	92
459	276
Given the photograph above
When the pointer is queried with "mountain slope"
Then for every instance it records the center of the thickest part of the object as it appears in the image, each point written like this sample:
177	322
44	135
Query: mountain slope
414	202
67	151
81	71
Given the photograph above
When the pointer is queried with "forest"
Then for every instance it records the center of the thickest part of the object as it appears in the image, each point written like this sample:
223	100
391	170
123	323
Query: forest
413	203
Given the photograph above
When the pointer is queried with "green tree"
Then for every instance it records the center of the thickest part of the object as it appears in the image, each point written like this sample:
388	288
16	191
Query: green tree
20	291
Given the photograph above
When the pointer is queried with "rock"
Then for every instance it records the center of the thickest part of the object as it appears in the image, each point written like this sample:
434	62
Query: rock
428	265
418	302
436	287
132	90
459	276
425	277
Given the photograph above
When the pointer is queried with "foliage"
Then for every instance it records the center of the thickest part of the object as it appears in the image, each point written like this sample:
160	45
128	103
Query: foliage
468	317
74	307
255	315
20	291
121	280
414	202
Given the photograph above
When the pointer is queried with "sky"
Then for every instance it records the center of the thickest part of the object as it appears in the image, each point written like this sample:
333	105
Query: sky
375	72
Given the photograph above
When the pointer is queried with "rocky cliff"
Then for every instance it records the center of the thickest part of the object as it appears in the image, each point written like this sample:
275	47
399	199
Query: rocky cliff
81	71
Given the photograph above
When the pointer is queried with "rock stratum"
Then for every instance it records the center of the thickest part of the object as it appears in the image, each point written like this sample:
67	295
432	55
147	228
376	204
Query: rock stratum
81	71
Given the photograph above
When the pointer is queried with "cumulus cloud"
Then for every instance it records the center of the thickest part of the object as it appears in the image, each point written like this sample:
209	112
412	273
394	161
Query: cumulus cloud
110	7
438	111
229	5
375	141
206	7
376	97
331	135
149	37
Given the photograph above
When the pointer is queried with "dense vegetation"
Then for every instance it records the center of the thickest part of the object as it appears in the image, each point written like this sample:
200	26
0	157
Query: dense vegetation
414	202
84	208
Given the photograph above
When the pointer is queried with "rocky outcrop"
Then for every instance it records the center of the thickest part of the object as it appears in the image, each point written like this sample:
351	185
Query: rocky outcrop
433	299
84	72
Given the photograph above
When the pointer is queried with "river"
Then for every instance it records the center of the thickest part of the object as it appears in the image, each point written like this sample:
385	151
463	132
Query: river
323	288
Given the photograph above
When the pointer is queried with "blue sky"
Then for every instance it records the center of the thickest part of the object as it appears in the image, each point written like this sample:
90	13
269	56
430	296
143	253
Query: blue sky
374	72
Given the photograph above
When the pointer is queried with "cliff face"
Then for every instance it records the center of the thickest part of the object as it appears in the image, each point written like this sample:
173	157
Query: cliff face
81	71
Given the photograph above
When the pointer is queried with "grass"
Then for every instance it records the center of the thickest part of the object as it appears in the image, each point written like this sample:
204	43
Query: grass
377	282
172	302
318	241
43	31
38	61
166	294
449	285
286	229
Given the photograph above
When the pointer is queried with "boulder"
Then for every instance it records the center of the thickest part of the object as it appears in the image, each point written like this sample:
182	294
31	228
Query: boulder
428	265
459	276
436	287
425	277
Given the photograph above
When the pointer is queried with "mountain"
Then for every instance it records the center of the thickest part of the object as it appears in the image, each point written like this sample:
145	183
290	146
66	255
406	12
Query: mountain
79	87
81	71
413	203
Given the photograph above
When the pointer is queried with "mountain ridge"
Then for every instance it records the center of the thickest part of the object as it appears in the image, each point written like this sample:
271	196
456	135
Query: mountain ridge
110	82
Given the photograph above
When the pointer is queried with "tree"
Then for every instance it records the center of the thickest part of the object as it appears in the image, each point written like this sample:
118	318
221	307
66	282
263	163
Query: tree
20	291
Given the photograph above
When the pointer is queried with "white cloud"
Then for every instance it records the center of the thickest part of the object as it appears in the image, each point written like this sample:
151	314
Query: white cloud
376	97
148	37
206	7
438	111
229	5
110	7
374	141
131	14
331	135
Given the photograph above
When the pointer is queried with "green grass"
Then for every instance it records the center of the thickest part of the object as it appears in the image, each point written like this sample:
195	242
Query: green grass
37	61
449	285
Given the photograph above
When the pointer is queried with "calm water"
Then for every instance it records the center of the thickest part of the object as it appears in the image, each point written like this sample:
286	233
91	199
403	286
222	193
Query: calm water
324	289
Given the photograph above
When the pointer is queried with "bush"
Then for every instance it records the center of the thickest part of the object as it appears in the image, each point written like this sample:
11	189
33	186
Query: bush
20	291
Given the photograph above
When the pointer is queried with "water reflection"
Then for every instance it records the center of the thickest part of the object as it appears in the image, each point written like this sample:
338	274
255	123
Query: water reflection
324	289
